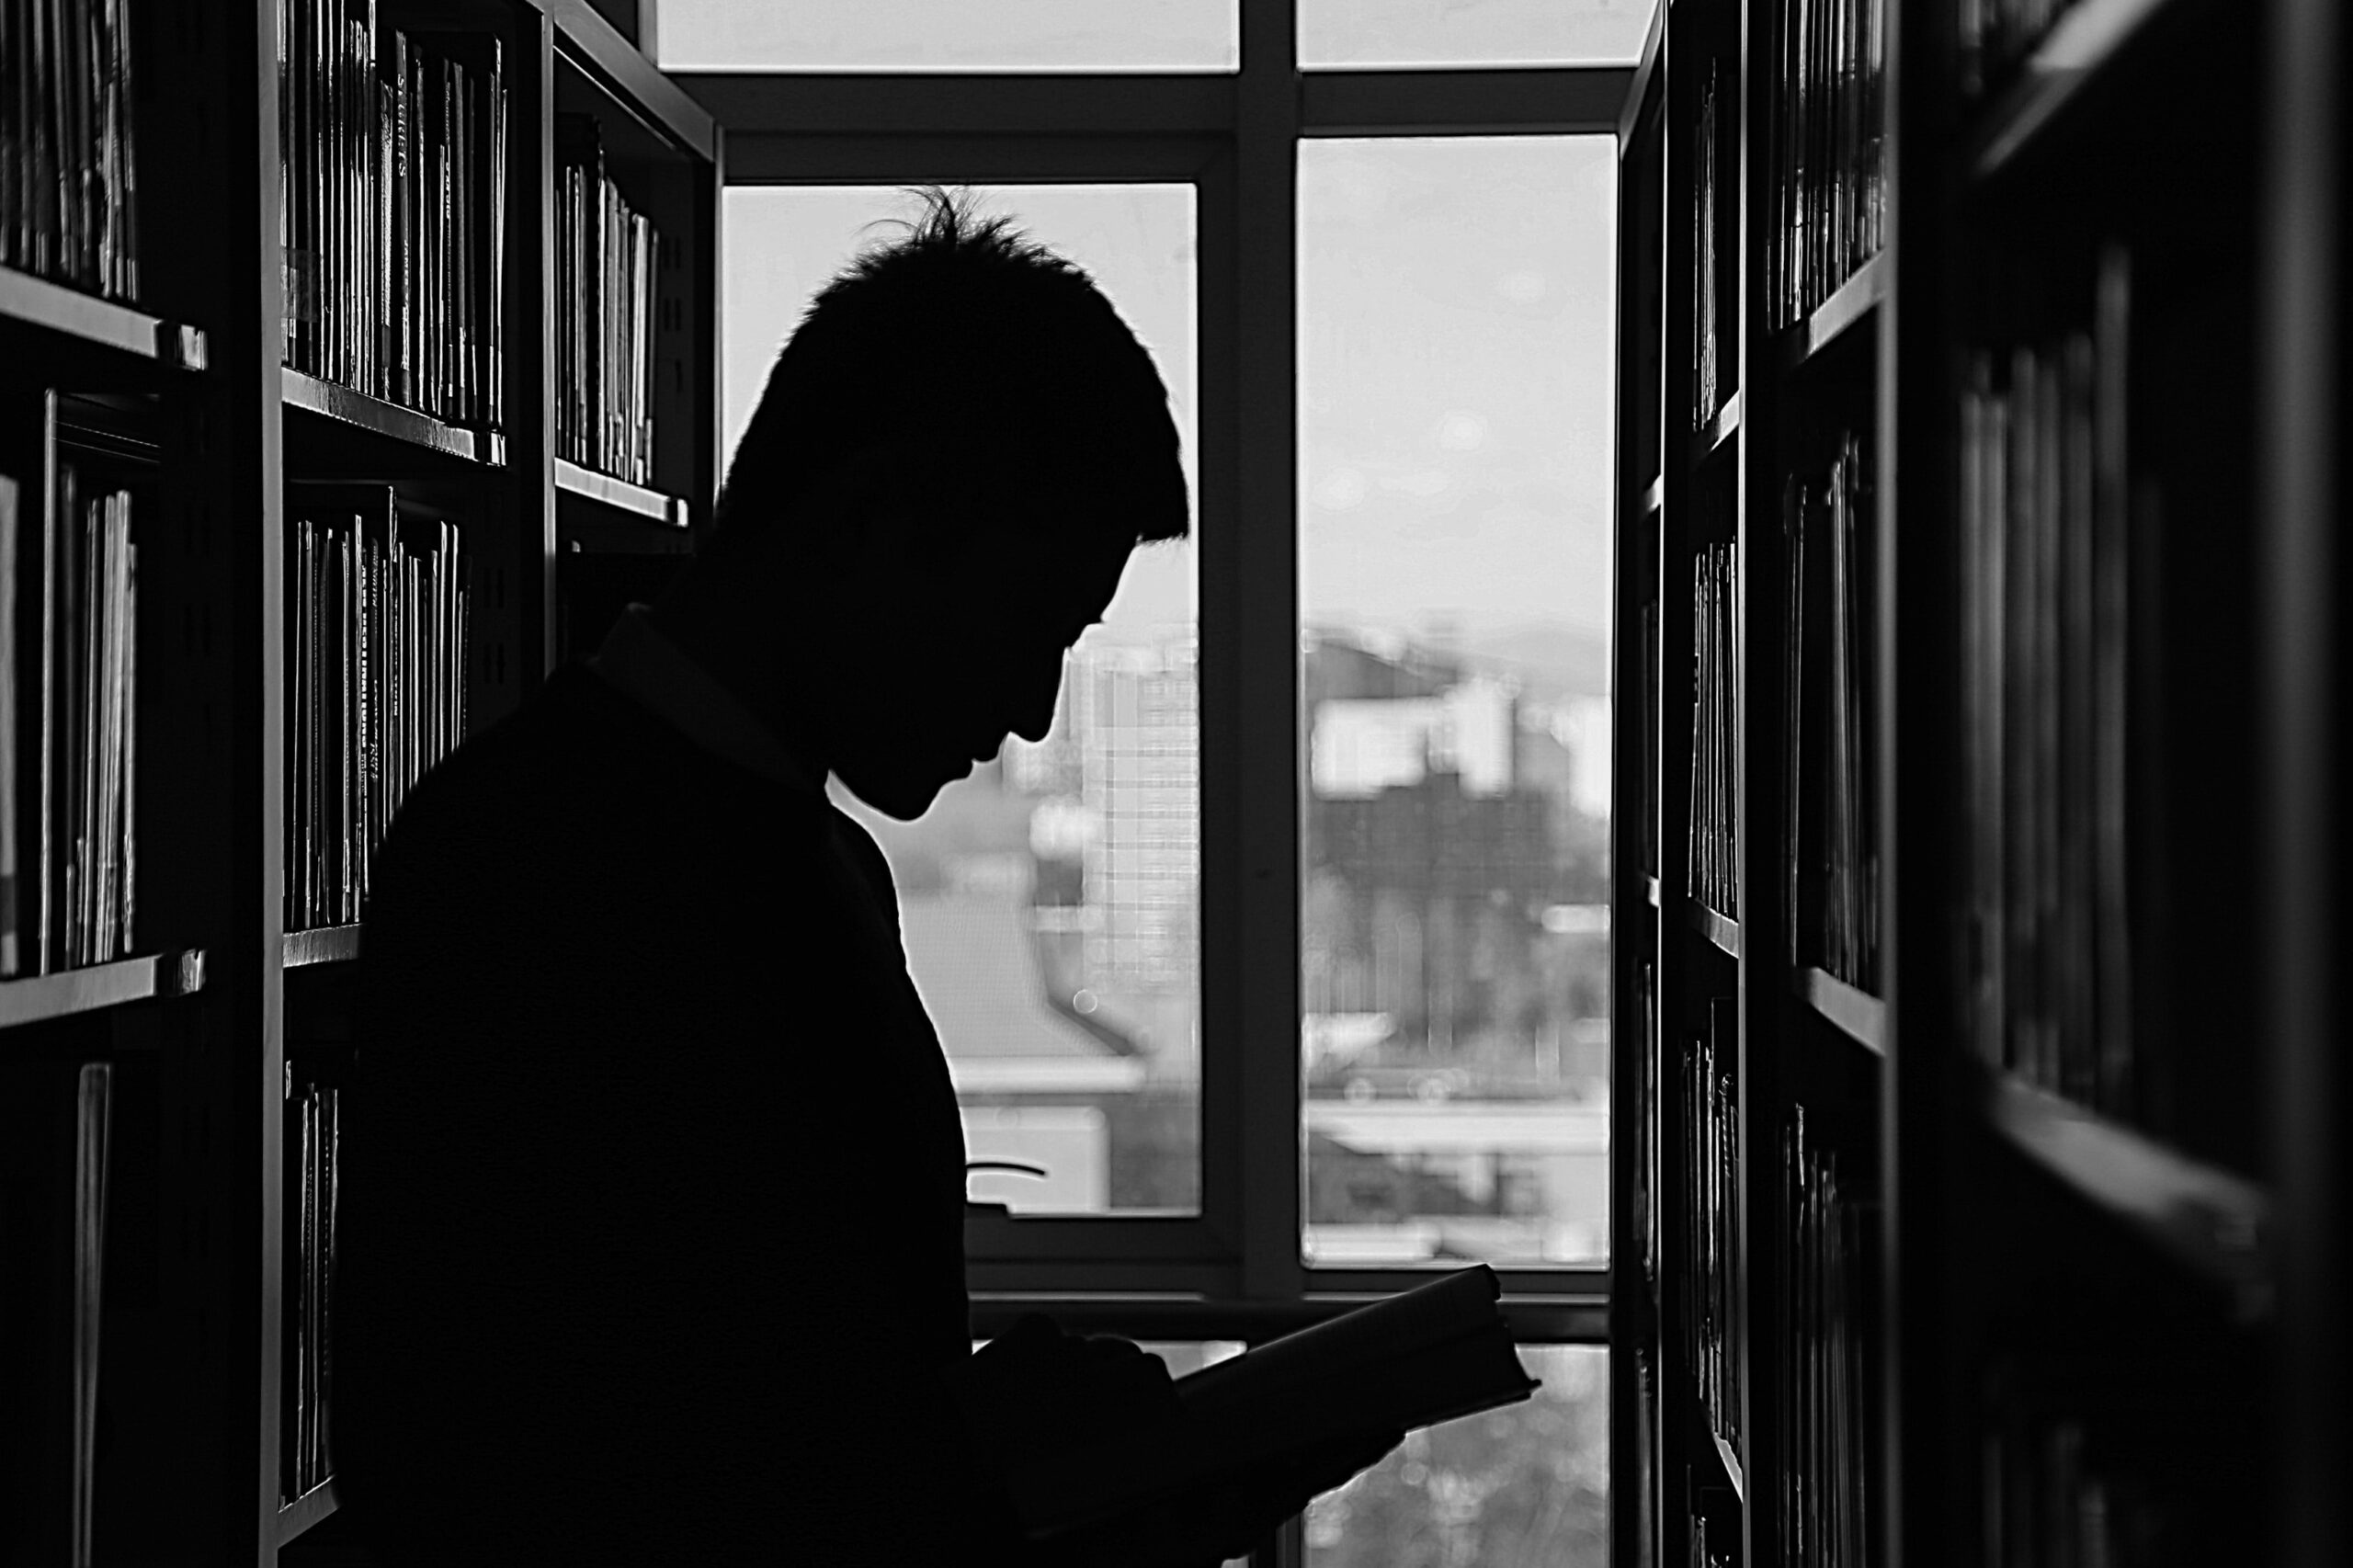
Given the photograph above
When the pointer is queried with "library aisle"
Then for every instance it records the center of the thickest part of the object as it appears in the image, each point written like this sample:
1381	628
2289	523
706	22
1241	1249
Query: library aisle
1978	1185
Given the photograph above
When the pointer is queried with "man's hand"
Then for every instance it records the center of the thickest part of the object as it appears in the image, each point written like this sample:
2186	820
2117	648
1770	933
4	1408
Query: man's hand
1039	1390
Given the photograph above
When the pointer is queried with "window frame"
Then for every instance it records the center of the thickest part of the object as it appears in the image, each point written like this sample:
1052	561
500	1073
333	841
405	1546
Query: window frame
1235	1270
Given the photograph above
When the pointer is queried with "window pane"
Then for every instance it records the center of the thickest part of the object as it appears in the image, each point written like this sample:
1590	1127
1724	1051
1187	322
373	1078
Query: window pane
1468	32
1526	1483
1048	903
1456	432
920	35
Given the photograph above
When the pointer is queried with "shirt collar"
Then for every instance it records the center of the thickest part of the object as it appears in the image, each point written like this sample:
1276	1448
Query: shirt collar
659	675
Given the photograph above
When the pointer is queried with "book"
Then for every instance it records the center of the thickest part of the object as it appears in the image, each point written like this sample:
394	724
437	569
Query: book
2048	558
1830	860
607	296
68	142
13	944
1427	1355
1712	875
1712	1298
88	708
57	1127
1827	146
392	154
1824	1398
375	621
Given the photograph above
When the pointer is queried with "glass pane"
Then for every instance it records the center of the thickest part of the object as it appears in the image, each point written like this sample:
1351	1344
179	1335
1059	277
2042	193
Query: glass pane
920	35
1465	32
1526	1483
1048	903
1456	428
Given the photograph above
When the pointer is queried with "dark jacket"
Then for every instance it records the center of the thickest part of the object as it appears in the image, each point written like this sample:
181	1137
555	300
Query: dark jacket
653	1189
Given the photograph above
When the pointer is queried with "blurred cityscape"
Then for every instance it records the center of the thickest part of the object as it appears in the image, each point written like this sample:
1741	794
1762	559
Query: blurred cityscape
1454	1040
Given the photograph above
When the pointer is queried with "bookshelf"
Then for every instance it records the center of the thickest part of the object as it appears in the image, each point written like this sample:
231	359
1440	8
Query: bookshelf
2017	1103
168	1110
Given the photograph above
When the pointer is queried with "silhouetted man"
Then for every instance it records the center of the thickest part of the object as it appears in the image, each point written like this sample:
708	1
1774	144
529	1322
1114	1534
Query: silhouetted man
654	1184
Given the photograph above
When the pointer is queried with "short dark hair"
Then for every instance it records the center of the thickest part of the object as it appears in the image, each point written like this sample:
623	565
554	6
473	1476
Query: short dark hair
973	343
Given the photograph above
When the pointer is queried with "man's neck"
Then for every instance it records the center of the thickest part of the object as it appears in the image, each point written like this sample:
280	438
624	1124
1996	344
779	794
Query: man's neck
750	671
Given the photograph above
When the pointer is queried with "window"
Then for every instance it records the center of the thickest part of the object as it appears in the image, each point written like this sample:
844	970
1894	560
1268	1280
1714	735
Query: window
922	35
1398	388
1455	435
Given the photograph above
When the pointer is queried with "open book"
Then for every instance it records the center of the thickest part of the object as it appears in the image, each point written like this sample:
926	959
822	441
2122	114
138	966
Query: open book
1427	1356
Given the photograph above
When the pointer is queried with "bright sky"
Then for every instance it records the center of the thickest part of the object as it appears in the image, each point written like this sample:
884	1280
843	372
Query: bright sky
1457	393
1166	35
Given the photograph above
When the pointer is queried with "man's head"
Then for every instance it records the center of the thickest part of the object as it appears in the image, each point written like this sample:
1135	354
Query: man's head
955	454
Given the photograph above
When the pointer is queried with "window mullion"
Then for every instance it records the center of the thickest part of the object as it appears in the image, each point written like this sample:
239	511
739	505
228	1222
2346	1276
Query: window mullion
1257	767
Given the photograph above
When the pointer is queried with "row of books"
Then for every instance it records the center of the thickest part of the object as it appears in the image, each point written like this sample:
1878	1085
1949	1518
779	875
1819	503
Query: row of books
311	1162
1829	142
1715	877
1822	1250
376	620
2045	618
57	1121
608	260
1710	271
2051	1503
69	596
393	222
68	145
1831	869
1712	1302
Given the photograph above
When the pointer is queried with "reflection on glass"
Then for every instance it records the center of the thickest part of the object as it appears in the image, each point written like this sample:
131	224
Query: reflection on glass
1049	903
1455	450
1526	1483
1468	32
922	35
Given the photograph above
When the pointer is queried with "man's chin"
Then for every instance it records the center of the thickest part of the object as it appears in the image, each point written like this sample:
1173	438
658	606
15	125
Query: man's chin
900	798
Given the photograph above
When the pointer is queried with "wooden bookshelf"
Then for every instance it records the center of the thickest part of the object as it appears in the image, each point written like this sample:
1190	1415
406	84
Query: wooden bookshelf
1859	1015
1989	280
1720	431
324	944
1722	931
620	497
314	1507
51	307
2217	1223
192	407
1849	306
2091	39
38	998
310	394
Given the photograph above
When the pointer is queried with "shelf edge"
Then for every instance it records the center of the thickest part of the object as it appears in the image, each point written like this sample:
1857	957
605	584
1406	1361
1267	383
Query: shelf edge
2082	45
1852	302
322	944
363	411
1852	1011
57	307
38	997
309	1509
2211	1220
1720	930
637	500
